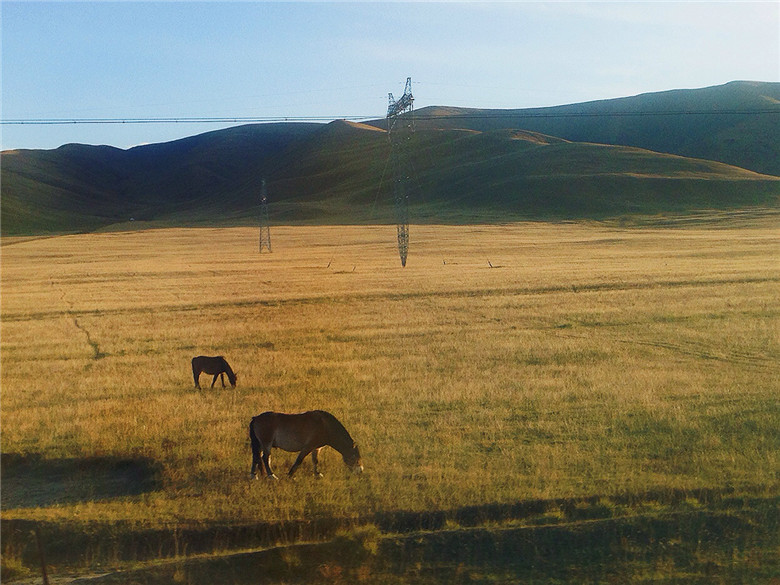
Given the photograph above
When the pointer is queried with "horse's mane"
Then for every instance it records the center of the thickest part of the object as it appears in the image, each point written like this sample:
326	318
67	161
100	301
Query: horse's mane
228	370
336	425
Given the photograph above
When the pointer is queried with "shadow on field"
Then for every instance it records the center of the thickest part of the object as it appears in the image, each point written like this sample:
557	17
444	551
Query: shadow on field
692	547
29	481
669	536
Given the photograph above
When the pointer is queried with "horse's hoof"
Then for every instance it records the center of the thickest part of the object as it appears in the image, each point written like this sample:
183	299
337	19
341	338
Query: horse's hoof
272	476
318	475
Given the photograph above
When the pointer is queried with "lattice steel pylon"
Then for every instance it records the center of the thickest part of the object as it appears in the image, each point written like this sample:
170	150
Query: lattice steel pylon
400	125
265	227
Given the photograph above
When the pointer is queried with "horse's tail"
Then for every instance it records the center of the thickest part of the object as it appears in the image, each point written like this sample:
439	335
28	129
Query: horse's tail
195	370
255	445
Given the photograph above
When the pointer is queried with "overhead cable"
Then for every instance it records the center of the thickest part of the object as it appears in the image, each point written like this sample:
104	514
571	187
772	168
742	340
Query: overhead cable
419	115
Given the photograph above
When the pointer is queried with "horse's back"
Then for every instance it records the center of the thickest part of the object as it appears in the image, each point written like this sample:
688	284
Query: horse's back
209	358
290	432
309	415
209	364
301	420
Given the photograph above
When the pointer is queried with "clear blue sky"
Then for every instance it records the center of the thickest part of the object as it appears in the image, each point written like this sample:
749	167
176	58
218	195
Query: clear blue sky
321	59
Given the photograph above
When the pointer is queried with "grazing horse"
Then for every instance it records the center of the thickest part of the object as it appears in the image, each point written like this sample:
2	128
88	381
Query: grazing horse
307	432
216	366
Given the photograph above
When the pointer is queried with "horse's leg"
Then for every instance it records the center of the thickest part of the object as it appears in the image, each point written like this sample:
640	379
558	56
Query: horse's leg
222	378
214	381
267	464
301	456
315	461
196	376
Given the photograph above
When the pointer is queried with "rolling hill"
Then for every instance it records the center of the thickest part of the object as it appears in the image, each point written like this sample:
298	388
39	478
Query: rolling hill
737	123
467	165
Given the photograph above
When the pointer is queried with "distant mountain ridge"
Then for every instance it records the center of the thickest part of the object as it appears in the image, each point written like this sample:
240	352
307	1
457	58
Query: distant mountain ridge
737	123
661	152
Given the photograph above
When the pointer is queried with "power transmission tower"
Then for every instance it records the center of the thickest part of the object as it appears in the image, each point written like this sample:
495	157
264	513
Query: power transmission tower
400	125
265	228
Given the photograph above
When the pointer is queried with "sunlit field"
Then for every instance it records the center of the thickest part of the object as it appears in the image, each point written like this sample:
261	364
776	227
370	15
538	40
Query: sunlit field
502	364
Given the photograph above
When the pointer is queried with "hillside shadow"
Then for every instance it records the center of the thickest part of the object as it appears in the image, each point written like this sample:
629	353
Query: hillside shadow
683	546
29	481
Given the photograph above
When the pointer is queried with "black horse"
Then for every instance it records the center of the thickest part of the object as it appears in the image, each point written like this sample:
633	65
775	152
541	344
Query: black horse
216	366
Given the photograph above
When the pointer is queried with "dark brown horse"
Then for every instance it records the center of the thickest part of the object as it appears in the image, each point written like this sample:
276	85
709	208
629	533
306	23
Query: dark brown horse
216	366
307	432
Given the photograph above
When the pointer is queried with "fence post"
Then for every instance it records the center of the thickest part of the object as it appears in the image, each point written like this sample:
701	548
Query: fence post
41	556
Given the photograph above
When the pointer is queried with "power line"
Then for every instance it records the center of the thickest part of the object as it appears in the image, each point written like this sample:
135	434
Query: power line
531	114
483	115
178	120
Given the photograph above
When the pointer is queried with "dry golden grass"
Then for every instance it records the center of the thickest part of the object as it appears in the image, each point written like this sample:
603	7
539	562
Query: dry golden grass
588	359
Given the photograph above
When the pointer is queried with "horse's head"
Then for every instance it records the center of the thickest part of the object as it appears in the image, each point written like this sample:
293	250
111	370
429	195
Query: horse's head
232	377
352	459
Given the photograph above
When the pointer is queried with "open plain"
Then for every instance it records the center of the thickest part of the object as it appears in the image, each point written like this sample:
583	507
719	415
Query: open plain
564	375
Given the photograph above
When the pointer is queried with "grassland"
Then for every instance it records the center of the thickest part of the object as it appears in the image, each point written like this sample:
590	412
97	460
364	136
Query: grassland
611	367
